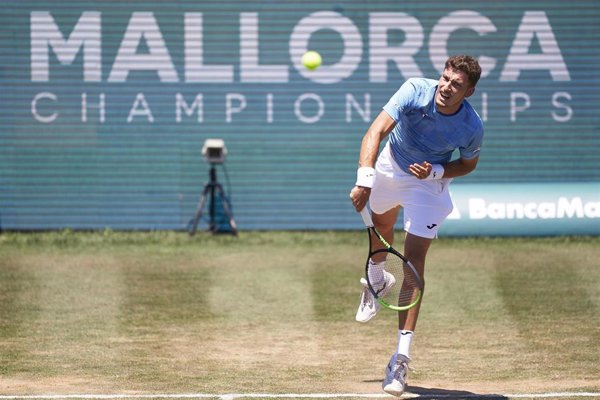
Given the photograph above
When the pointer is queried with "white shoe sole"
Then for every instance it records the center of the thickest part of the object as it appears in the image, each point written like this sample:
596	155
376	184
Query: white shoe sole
393	391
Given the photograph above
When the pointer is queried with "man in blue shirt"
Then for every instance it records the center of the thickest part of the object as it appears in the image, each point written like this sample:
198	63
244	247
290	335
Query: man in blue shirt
426	121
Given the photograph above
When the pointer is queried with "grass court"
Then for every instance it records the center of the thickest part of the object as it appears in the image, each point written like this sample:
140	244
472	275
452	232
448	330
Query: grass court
273	313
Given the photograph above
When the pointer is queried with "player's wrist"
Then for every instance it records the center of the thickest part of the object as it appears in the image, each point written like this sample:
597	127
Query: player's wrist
365	177
437	172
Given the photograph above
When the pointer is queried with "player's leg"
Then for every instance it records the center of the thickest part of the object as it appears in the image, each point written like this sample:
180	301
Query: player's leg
427	208
384	223
415	249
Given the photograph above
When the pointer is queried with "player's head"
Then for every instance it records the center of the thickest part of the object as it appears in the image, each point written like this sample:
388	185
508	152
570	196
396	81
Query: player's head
461	74
466	64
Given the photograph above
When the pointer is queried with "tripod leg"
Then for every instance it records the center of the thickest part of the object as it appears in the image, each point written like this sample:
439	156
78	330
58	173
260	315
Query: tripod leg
194	222
225	204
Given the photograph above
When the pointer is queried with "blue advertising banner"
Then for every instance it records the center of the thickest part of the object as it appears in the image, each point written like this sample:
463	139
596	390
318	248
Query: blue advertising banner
525	209
106	105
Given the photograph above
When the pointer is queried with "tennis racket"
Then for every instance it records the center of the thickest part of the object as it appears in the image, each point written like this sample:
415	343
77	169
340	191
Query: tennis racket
406	291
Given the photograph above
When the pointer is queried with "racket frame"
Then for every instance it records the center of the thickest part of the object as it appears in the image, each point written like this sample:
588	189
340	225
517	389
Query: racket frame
366	215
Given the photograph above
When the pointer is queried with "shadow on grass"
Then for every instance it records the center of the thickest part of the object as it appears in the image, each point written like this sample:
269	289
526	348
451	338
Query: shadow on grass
435	393
443	394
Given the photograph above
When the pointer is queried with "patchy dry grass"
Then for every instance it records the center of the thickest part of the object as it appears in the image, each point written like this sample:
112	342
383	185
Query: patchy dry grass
274	312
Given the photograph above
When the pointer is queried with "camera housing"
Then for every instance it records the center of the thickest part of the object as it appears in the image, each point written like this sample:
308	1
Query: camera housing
214	151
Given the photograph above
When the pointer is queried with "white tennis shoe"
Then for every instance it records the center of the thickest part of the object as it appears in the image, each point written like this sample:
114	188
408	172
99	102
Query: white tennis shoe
369	307
395	375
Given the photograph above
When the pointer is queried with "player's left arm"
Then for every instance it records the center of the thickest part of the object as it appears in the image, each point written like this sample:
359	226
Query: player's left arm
469	157
465	164
460	167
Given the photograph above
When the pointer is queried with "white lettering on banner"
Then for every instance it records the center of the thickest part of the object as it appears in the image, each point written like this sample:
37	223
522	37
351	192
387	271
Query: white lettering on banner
85	43
381	52
519	102
561	208
534	24
230	109
298	108
269	108
140	108
101	107
45	33
514	107
46	119
484	107
181	104
142	26
438	40
250	70
195	70
364	111
568	110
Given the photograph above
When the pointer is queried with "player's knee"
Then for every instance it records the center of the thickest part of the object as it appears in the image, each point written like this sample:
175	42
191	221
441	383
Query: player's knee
384	228
384	224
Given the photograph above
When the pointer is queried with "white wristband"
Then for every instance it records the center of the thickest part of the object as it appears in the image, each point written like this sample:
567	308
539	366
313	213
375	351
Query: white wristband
437	172
365	176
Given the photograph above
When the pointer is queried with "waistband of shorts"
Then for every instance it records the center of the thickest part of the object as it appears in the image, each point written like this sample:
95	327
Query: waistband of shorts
396	169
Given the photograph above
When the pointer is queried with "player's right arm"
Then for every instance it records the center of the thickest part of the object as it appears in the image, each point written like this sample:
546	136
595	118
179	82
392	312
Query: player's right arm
369	148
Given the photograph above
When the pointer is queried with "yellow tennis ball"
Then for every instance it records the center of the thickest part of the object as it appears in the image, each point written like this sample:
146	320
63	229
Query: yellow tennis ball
311	60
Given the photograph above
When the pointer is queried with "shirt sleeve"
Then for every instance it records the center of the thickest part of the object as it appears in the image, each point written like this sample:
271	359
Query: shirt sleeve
401	100
474	146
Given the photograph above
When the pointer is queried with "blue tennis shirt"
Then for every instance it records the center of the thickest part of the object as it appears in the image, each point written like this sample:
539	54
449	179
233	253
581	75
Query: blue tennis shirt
424	134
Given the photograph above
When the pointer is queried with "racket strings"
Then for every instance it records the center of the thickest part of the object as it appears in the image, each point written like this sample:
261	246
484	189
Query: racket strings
406	287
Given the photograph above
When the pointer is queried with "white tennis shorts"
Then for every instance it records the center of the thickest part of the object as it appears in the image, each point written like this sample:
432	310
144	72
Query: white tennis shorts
426	203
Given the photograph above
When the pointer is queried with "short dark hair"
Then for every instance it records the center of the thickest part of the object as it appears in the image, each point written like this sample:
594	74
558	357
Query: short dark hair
466	64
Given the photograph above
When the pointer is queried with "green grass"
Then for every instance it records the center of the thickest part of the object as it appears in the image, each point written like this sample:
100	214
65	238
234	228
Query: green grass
273	312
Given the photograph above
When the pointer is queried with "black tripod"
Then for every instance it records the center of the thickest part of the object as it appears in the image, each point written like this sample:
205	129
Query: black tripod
211	189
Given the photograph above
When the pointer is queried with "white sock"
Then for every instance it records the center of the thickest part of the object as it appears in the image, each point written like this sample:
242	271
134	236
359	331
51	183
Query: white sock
376	272
404	341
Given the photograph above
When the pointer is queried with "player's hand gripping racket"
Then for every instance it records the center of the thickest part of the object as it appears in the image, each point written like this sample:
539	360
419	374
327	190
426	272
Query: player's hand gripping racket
402	292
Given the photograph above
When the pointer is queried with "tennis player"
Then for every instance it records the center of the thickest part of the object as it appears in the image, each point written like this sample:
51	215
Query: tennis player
426	120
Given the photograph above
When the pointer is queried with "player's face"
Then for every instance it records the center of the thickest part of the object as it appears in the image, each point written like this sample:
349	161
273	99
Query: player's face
453	88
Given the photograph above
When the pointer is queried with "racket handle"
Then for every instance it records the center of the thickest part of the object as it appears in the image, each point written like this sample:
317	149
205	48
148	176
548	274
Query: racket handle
366	216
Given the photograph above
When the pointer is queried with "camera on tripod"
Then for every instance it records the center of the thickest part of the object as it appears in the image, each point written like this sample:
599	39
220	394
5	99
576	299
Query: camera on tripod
214	152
